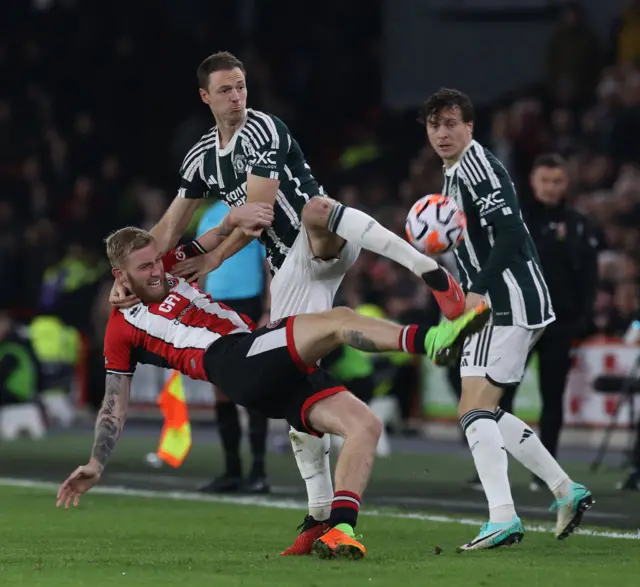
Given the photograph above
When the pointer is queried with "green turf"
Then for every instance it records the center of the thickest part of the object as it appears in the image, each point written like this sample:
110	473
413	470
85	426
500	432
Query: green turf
435	476
121	541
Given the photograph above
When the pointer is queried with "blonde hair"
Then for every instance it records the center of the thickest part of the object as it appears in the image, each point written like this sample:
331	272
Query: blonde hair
123	242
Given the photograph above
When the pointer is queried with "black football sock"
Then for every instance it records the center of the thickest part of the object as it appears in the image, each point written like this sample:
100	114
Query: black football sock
229	427
437	280
344	509
258	430
412	339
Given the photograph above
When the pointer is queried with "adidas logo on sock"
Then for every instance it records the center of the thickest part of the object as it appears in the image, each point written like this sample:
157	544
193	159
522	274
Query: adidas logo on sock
525	435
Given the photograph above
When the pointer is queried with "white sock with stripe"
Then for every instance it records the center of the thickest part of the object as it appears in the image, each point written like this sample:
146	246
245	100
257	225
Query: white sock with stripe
525	445
312	458
489	455
359	228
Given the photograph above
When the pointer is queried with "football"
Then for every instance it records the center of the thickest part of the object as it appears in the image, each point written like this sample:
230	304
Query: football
435	224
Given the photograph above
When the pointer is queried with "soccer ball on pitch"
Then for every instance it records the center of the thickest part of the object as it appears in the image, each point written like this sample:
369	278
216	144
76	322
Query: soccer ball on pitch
435	224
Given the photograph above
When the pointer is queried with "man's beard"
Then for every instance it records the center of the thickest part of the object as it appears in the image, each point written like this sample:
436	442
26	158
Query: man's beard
150	293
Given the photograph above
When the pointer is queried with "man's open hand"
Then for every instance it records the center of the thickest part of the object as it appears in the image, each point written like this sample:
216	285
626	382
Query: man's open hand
79	482
252	218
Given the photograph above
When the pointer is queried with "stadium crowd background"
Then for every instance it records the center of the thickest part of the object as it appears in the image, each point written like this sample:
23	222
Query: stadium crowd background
99	104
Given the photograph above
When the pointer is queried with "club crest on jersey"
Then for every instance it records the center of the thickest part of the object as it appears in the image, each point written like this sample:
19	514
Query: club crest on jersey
239	163
274	324
172	282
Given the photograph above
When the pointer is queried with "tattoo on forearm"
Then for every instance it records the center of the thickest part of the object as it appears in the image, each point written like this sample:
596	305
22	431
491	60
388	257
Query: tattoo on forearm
359	341
111	417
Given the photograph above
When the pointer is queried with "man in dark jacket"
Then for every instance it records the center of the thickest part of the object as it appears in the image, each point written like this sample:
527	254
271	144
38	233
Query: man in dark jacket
568	247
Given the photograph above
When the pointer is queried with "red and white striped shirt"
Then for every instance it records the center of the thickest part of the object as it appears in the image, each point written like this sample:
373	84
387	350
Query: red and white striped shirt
174	333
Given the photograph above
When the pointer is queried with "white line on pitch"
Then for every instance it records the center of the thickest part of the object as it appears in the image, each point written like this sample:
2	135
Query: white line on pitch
291	504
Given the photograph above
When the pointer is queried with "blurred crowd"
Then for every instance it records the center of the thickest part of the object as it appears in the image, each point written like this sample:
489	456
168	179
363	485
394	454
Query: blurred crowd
99	104
586	108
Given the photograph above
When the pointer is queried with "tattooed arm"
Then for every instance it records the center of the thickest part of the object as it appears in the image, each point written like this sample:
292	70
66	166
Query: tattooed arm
109	424
111	417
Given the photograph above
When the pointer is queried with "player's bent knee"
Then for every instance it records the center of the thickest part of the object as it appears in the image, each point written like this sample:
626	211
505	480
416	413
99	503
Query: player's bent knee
321	327
339	318
341	314
315	213
371	427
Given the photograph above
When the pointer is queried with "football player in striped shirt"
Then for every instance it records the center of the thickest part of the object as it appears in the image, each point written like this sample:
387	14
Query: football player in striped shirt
273	370
251	156
498	263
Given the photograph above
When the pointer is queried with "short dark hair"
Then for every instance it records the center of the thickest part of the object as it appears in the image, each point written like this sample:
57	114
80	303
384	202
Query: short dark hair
552	160
444	99
220	61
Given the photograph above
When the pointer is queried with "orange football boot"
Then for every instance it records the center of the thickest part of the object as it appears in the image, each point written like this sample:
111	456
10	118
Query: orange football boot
451	301
336	543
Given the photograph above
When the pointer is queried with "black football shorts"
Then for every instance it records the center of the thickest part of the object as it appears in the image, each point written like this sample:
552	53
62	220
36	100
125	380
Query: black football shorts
263	371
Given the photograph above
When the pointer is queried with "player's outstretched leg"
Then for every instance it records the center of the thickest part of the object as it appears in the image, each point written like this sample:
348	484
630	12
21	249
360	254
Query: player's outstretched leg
322	214
572	499
477	418
345	415
316	335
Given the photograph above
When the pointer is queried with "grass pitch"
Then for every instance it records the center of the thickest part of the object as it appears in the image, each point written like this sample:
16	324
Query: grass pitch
122	540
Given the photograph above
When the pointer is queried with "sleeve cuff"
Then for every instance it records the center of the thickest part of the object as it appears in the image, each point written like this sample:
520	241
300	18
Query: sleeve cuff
117	372
478	288
197	247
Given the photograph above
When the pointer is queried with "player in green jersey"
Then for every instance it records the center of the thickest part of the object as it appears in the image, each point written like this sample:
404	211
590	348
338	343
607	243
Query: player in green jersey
498	264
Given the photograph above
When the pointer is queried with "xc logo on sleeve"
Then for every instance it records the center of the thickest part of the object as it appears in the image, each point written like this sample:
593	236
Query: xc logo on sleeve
265	159
490	202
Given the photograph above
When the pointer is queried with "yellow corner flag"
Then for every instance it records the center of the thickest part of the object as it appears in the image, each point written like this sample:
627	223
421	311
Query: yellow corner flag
175	440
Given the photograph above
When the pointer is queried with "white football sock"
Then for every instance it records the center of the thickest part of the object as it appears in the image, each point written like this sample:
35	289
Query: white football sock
359	228
525	445
312	458
487	447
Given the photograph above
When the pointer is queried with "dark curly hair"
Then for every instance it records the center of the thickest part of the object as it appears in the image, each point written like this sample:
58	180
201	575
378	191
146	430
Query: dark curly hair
445	99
